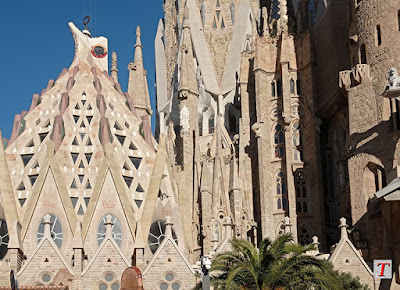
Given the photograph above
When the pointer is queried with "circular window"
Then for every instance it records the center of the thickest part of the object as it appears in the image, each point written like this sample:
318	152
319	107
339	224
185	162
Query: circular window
163	286
55	230
176	286
157	235
102	286
99	51
115	286
3	239
46	278
109	277
169	277
116	230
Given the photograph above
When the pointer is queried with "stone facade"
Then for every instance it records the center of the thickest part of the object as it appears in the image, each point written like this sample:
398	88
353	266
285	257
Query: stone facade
272	116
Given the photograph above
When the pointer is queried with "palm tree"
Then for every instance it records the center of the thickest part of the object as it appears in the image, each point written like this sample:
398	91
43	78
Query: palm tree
279	264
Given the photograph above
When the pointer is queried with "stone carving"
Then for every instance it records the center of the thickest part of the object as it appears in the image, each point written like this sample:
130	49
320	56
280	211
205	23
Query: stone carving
265	16
185	117
345	79
394	79
360	71
114	60
256	129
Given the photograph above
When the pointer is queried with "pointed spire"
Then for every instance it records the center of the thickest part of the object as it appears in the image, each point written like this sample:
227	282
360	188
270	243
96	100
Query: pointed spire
137	84
283	16
114	70
343	229
187	81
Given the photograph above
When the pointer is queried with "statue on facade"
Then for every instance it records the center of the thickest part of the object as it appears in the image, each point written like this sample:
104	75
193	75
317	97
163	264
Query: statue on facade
185	117
394	79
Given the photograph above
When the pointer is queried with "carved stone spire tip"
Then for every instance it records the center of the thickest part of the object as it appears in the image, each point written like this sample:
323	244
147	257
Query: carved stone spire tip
138	32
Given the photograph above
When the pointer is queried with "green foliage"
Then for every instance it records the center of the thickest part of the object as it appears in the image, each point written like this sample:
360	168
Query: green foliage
279	264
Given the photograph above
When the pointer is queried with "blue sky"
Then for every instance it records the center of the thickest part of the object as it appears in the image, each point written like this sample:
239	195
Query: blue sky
36	44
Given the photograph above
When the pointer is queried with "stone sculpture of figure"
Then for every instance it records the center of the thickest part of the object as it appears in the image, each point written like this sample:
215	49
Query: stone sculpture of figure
171	133
394	79
185	115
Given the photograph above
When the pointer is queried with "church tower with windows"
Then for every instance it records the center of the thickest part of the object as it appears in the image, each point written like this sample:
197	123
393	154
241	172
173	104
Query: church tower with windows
237	124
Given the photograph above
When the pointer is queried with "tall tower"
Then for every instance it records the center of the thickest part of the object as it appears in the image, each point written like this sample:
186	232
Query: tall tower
374	38
198	47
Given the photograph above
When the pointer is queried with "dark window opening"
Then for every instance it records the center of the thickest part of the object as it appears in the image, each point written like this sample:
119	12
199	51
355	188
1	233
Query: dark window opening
211	125
378	35
363	54
291	86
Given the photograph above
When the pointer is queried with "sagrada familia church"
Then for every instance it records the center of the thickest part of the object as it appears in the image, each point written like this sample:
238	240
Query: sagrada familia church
272	116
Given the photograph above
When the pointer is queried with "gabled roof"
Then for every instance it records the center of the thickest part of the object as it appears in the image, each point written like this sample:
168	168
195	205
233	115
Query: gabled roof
168	239
102	245
36	252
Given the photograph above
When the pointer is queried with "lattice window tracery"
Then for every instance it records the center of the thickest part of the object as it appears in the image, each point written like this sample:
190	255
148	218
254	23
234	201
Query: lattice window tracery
218	17
281	191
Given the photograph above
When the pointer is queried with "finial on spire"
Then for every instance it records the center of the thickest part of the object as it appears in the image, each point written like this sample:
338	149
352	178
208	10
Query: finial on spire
343	229
138	35
86	21
138	32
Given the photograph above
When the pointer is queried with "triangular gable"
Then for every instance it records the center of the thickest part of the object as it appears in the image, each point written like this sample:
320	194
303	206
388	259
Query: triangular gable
169	246
346	243
49	182
224	246
108	248
45	257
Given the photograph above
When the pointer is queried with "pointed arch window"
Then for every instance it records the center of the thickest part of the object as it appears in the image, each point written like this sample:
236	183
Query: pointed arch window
116	230
292	86
55	230
281	191
218	17
302	196
279	141
304	236
297	142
